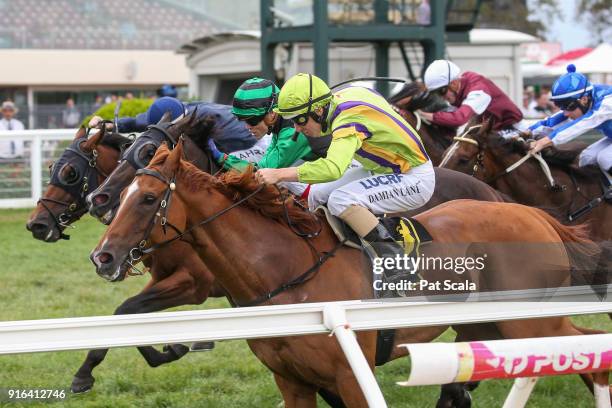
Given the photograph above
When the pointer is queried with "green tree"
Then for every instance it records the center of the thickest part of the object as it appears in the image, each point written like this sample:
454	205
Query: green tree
518	15
598	16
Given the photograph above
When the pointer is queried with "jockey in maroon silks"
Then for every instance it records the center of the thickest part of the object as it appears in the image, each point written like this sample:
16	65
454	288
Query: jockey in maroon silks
472	94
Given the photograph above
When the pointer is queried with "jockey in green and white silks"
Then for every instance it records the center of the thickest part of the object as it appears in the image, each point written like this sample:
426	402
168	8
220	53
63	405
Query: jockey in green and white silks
396	176
253	104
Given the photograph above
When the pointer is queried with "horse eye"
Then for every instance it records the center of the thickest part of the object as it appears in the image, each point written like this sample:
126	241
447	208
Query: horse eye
149	199
463	160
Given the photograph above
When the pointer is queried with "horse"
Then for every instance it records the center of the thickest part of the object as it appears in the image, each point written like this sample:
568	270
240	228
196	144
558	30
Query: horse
79	170
260	272
178	277
413	97
498	162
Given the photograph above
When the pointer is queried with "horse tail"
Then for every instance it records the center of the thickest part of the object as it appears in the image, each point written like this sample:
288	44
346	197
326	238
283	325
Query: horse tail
584	254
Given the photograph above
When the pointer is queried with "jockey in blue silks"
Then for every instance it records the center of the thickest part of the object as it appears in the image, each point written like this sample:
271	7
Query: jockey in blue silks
584	106
230	134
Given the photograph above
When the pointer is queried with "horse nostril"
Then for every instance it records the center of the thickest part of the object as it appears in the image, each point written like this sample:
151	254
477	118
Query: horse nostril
104	258
100	199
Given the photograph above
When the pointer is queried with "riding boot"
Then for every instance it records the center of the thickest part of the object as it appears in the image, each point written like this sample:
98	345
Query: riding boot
379	243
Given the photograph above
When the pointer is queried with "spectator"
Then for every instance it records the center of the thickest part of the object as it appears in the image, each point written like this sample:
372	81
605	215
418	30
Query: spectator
10	149
71	117
423	13
129	95
98	103
543	106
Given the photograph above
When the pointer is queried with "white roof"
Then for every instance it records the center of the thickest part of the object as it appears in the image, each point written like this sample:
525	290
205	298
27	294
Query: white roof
598	61
496	36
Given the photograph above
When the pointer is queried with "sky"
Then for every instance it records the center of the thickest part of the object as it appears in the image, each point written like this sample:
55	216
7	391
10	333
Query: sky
570	32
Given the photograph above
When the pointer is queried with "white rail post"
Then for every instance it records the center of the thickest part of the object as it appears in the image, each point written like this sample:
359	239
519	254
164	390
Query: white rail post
520	392
36	167
334	319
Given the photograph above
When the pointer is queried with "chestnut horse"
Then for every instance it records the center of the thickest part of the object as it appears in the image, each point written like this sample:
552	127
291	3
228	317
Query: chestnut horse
413	97
251	268
178	276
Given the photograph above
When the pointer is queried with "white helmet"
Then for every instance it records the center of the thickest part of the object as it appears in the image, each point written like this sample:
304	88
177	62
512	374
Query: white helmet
440	73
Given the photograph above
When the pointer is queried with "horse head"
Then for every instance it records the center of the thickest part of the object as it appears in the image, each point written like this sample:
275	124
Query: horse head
144	209
104	201
79	170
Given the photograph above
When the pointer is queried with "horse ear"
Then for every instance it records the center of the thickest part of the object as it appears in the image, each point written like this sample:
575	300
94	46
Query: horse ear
173	161
166	117
93	141
193	117
81	132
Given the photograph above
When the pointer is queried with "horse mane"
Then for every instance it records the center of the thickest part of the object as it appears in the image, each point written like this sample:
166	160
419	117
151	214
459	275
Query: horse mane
202	130
116	141
235	185
421	98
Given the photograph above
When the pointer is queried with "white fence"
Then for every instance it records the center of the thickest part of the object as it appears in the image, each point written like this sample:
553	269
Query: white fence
341	318
22	179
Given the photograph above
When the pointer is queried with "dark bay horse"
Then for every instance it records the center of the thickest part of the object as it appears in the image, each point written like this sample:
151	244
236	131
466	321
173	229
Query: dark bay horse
78	171
178	276
486	155
413	97
304	364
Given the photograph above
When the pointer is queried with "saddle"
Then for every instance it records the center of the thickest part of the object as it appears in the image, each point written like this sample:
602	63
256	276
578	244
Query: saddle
407	231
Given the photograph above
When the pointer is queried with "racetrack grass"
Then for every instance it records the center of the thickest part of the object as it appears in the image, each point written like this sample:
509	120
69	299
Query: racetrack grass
39	280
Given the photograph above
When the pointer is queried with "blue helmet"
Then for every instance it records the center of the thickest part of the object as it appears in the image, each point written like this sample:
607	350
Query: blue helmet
167	90
163	105
570	86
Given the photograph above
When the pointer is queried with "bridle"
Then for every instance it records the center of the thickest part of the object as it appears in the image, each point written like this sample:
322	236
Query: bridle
87	165
136	253
479	164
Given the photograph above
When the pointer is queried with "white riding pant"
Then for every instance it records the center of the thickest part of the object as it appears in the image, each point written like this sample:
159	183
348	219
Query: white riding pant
599	153
380	193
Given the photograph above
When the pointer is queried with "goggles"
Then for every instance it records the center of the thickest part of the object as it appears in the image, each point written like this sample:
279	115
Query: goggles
567	104
252	120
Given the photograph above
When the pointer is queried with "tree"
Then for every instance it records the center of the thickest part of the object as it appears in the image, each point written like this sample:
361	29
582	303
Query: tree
598	15
519	15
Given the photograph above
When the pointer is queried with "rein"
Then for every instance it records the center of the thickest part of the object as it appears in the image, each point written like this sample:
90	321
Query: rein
138	252
480	158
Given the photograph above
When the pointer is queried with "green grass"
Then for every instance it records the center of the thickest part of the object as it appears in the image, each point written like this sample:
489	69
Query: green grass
39	280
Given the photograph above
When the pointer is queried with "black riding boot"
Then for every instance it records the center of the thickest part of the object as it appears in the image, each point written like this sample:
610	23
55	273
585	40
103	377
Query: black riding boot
380	244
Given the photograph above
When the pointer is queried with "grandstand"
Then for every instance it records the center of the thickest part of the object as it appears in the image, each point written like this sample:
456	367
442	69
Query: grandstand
104	24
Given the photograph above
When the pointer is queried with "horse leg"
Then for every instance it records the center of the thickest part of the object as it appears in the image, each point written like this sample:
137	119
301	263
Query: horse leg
457	395
176	290
349	389
561	326
296	394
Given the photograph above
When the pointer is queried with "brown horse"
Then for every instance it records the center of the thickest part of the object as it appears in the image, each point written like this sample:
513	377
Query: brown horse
79	170
178	276
413	97
251	268
486	155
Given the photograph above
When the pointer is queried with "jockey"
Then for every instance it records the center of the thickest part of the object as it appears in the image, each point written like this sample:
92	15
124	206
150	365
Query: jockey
584	106
231	134
473	95
396	176
253	104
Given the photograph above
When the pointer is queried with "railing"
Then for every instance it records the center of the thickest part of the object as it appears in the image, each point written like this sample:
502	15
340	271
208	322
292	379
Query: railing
22	178
339	318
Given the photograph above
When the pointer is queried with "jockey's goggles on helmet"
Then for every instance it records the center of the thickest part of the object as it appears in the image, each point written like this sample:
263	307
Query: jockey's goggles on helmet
302	119
567	104
252	120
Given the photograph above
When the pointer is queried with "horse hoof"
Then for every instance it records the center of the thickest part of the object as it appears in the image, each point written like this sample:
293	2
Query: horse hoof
203	346
465	401
178	350
81	385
